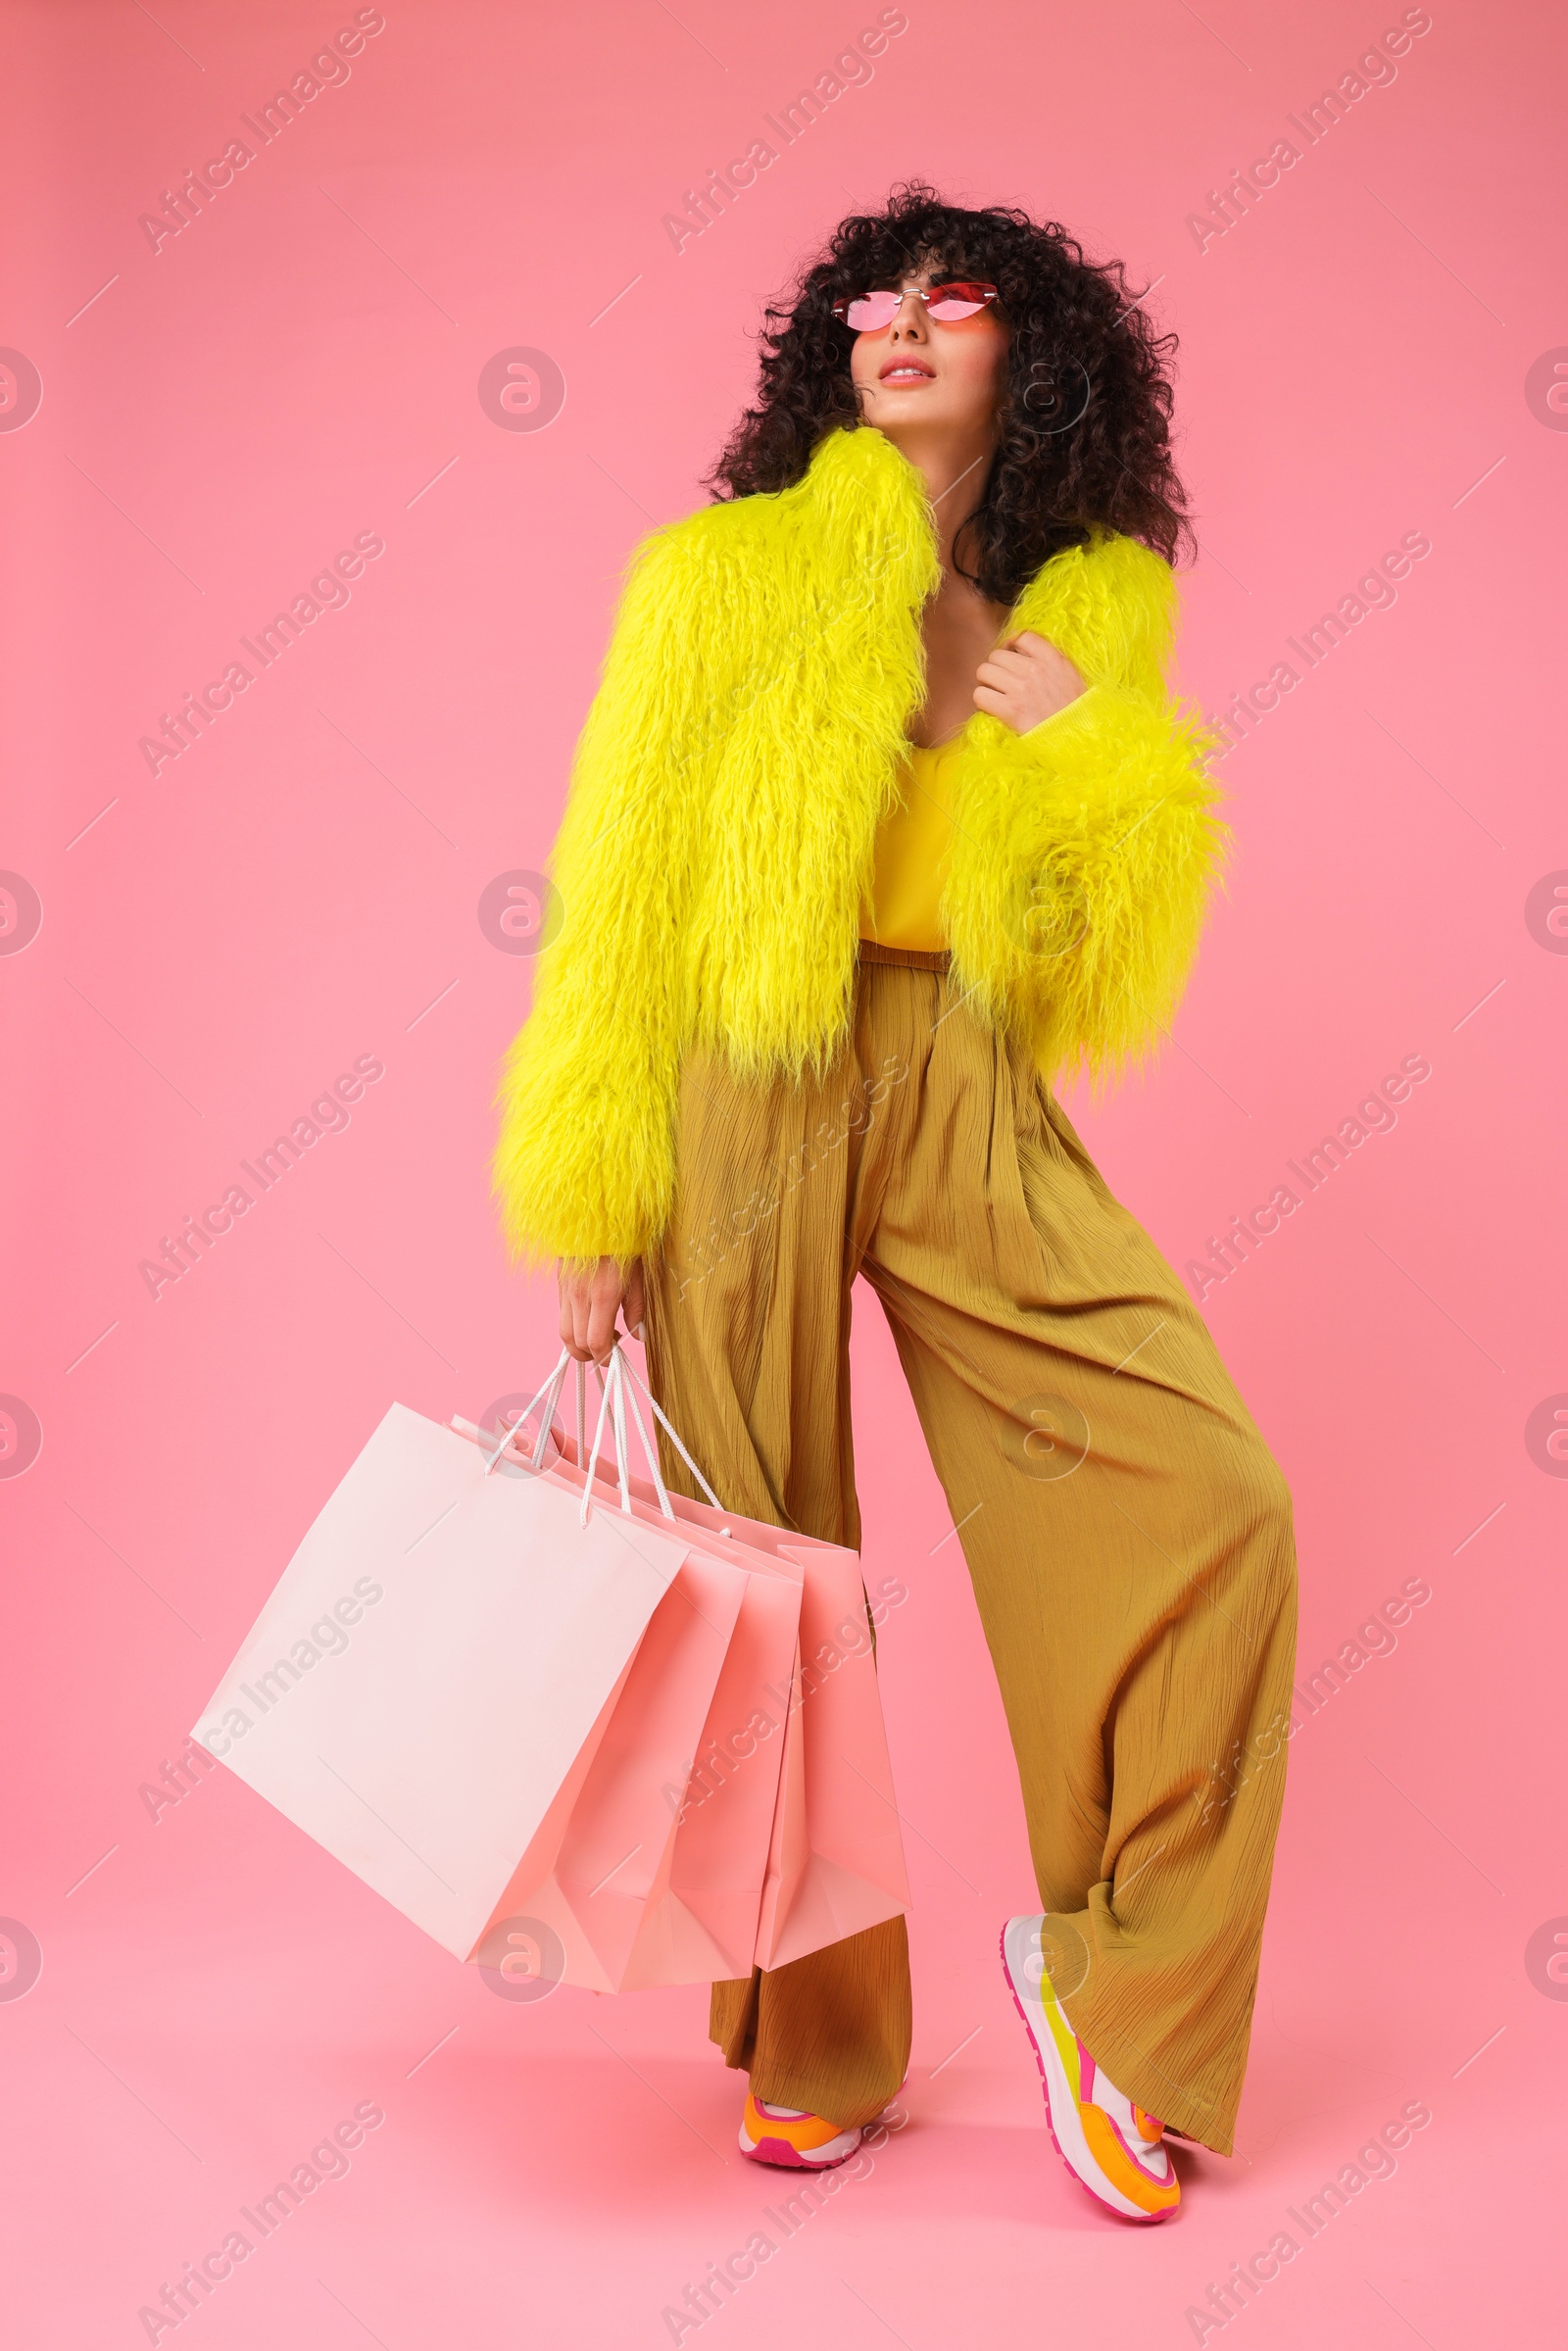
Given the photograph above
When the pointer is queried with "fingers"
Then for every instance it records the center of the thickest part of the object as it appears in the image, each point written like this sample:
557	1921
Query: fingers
1022	656
1025	681
567	1284
589	1304
579	1290
603	1290
1003	667
1038	655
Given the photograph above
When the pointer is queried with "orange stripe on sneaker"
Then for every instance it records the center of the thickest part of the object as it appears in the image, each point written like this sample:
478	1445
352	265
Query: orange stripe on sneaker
808	2132
1119	2168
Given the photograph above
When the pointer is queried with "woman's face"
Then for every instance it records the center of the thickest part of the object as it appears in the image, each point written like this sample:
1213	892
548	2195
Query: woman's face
922	376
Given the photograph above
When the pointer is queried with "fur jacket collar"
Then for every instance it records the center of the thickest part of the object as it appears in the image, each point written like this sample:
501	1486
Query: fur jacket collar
745	741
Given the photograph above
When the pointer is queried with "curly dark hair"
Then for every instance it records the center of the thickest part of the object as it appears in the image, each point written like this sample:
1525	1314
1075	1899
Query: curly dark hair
1084	437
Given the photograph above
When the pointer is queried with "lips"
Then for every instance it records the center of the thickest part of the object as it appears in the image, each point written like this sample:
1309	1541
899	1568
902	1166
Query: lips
907	370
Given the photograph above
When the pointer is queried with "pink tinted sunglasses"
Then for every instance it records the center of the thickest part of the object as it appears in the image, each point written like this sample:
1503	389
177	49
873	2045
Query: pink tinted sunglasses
960	299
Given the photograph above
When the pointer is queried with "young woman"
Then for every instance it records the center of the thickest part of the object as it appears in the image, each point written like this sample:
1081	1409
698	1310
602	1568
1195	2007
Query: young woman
881	820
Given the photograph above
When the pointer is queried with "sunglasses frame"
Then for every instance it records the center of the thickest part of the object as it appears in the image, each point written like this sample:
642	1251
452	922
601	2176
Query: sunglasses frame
846	302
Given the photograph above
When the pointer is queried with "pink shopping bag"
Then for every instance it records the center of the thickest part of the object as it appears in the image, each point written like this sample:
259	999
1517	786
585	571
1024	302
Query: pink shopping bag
835	1861
600	1872
655	1855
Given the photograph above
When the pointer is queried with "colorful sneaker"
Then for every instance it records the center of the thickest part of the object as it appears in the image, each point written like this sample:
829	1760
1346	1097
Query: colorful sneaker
795	2141
1112	2147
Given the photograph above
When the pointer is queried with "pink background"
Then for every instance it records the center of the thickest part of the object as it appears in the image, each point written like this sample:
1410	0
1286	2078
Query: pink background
301	887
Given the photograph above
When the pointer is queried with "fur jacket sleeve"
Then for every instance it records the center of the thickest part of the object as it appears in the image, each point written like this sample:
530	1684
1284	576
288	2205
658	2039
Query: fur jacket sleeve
583	1165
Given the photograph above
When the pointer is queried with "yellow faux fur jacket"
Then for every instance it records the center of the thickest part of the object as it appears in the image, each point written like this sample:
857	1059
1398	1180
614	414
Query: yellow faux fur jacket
745	741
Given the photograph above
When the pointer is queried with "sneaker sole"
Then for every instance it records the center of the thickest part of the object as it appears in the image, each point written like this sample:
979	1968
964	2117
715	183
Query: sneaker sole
785	2158
1060	2098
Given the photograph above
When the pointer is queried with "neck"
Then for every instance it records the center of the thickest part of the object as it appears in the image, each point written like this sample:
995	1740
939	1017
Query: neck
954	471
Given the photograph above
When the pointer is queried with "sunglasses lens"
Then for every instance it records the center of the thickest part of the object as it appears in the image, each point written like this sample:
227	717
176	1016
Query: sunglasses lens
956	301
869	313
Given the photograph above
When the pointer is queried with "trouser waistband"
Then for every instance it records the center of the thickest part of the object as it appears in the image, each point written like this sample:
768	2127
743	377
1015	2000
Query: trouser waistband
917	958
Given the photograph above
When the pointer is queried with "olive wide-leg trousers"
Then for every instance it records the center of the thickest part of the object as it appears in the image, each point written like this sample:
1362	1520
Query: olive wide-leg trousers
1127	1532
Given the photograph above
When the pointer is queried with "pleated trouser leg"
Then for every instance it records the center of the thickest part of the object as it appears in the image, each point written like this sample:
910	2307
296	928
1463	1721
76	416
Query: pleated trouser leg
1127	1532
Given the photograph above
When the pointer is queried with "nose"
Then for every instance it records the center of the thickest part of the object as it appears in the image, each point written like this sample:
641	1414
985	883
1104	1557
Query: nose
909	320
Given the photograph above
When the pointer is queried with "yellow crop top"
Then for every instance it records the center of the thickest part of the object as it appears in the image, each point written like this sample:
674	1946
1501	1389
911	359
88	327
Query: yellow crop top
913	844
